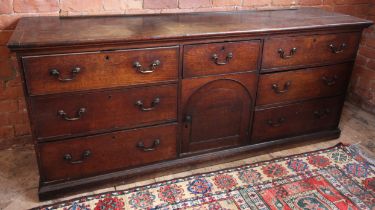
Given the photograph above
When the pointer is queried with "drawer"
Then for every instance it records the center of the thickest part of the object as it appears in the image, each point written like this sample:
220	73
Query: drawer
96	70
82	113
93	155
303	84
290	52
295	119
220	58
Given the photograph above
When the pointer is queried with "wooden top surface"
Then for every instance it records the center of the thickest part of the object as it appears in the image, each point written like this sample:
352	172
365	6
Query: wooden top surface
34	32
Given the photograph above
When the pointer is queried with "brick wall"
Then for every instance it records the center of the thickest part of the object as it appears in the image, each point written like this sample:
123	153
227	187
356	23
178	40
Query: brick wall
14	125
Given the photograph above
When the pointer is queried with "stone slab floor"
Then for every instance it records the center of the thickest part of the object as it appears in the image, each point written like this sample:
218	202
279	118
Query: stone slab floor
19	176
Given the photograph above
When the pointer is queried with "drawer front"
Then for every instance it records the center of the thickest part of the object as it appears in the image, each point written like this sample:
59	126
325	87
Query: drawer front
62	115
84	71
220	58
295	119
303	84
82	157
290	52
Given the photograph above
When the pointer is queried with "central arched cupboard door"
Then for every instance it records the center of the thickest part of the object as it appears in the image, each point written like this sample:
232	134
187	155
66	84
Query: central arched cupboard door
217	112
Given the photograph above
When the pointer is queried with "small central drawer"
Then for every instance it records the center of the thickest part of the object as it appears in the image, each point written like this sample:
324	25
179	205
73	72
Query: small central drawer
81	113
220	58
93	155
295	119
303	84
288	52
84	71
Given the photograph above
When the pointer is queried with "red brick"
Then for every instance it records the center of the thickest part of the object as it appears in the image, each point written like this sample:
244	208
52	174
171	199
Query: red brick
8	22
367	52
160	4
361	60
372	10
351	1
220	3
7	106
371	65
10	92
283	2
4	120
4	37
134	4
310	2
18	118
6	7
370	42
22	105
81	5
355	10
194	3
256	3
6	70
114	5
6	132
35	6
22	130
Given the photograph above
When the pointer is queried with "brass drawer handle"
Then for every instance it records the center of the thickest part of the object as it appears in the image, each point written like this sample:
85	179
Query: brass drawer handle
282	54
339	49
68	157
154	103
56	73
142	146
275	87
137	65
330	81
276	123
64	115
320	114
215	58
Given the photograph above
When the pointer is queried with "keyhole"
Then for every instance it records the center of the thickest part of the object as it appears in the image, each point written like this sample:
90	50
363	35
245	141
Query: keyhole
107	57
223	48
109	97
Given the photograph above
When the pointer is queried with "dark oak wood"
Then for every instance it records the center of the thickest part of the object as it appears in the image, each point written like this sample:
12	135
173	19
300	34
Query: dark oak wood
310	49
307	84
108	152
99	69
101	90
216	112
115	109
220	58
38	32
296	119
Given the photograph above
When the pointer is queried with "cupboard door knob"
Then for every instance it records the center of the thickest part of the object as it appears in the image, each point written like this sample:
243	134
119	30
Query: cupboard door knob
215	58
320	114
138	66
154	103
282	54
330	81
275	87
339	49
144	148
68	157
276	123
65	116
56	74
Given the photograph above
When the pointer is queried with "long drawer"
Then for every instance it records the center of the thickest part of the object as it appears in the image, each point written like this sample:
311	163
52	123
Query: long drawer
84	71
303	84
220	58
79	113
290	52
295	119
82	157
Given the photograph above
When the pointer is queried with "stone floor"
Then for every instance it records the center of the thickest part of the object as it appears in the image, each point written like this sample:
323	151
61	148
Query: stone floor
19	176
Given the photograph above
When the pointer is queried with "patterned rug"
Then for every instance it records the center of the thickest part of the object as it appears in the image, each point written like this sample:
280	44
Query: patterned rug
333	178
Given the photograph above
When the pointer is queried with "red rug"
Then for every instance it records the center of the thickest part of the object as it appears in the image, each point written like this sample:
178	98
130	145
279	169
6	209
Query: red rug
333	178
